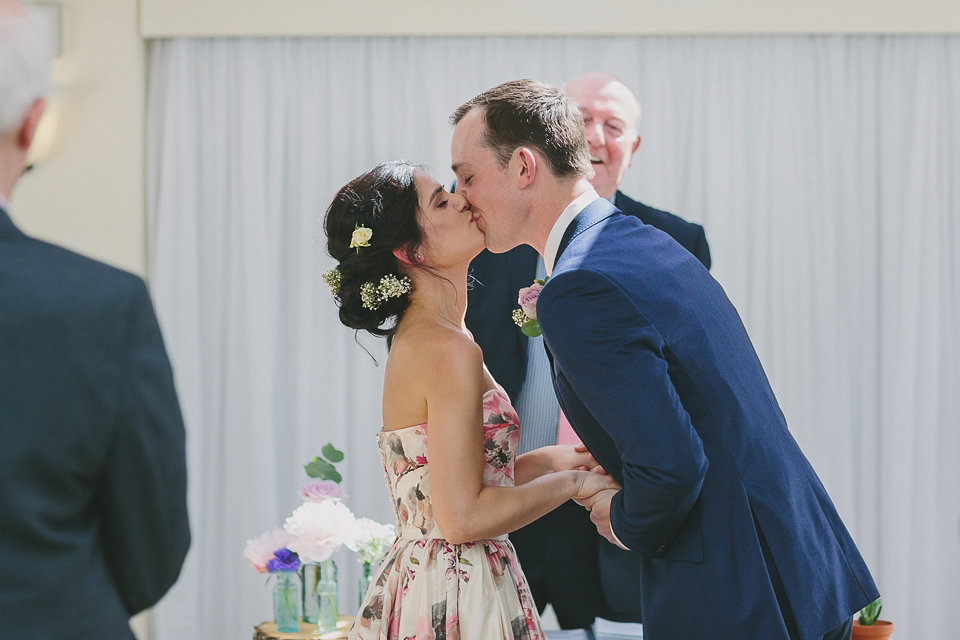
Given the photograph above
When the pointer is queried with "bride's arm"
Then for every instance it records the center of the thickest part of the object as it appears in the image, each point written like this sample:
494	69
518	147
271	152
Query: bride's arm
464	509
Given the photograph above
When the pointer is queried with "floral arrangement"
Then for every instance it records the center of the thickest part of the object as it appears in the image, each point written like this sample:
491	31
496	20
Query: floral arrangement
369	538
526	315
323	490
268	552
320	526
318	529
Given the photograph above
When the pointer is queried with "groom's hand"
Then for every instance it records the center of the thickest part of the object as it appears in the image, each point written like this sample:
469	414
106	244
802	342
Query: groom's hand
599	507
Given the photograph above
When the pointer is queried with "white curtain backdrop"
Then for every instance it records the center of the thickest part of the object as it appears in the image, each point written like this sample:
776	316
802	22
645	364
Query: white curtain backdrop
825	169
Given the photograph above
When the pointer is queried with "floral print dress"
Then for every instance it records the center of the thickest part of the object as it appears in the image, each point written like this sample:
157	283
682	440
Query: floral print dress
425	587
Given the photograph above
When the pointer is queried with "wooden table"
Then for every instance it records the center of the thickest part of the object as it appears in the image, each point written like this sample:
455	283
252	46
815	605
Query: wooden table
308	631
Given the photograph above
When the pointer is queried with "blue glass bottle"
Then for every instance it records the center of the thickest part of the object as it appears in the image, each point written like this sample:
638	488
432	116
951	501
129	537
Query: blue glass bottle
286	601
326	597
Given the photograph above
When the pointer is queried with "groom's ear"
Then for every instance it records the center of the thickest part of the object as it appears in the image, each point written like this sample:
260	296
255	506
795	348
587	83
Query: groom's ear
525	167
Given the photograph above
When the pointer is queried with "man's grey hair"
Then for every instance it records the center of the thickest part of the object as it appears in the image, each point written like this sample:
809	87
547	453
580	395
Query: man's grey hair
24	65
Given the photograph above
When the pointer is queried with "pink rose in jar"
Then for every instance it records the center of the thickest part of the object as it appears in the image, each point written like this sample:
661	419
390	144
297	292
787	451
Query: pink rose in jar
528	299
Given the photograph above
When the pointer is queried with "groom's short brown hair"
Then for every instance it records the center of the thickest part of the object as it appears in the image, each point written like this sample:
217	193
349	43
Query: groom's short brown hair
529	113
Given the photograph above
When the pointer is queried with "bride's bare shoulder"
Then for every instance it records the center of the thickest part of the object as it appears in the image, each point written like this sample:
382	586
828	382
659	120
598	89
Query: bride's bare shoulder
433	349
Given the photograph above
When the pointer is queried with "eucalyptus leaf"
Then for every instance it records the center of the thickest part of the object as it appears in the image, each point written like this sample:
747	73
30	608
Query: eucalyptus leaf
320	468
331	453
530	328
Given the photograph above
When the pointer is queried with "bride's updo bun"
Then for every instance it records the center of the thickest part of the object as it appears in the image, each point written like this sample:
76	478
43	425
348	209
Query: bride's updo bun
376	213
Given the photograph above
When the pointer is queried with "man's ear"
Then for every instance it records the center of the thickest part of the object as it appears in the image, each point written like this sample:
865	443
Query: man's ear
526	167
633	149
28	129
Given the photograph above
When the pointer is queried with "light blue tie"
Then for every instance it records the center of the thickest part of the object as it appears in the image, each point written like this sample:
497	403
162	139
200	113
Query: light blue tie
537	404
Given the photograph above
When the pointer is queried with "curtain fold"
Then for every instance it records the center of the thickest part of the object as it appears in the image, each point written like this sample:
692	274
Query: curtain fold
825	169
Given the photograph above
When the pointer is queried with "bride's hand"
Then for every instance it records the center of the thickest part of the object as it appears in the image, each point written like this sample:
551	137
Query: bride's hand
566	457
590	484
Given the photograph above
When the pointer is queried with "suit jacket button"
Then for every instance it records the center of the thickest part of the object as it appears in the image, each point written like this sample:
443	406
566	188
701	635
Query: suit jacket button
662	547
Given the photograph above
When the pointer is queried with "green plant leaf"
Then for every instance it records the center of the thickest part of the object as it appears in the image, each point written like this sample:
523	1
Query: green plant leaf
530	328
319	468
870	613
331	453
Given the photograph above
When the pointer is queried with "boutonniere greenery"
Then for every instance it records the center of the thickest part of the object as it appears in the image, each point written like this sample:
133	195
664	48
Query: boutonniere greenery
526	315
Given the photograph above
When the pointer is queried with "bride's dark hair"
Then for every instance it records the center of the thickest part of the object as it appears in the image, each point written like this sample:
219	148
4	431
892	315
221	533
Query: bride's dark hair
384	200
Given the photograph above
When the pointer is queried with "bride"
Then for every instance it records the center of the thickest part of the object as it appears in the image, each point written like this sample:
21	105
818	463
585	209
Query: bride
448	444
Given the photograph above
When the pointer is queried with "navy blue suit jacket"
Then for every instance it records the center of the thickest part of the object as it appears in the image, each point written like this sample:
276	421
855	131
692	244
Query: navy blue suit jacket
93	512
654	369
497	280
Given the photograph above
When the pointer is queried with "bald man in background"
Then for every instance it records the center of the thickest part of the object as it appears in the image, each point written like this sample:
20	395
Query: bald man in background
567	563
93	487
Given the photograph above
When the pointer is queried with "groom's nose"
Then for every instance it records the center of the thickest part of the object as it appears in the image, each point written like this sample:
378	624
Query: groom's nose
459	202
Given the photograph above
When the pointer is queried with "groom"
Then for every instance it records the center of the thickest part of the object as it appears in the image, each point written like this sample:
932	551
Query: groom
655	371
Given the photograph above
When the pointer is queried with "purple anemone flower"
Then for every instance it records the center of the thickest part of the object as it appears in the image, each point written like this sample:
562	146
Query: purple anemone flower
283	560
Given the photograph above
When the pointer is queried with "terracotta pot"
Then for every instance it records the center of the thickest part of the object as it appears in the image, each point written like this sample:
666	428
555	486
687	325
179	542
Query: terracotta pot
880	629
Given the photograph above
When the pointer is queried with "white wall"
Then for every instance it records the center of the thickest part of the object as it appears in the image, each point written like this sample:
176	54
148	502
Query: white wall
166	18
88	194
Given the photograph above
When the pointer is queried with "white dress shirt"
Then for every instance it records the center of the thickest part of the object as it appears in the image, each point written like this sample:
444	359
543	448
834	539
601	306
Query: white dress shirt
560	226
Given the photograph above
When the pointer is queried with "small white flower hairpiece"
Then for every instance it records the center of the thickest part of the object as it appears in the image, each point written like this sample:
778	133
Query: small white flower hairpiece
334	279
390	286
361	237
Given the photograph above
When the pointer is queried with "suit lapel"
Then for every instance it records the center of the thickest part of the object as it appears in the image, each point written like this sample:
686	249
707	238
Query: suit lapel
598	210
593	213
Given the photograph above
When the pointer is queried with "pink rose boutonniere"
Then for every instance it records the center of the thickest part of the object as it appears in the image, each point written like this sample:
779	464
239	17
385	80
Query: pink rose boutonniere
526	315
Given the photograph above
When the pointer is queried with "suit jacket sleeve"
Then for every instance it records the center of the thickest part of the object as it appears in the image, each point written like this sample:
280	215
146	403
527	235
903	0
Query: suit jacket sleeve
614	361
144	496
700	247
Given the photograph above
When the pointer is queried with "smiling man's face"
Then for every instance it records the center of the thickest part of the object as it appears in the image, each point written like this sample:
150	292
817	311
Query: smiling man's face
610	118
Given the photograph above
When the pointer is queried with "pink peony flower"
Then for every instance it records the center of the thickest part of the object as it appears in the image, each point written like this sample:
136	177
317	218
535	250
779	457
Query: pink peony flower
317	529
322	490
528	299
259	551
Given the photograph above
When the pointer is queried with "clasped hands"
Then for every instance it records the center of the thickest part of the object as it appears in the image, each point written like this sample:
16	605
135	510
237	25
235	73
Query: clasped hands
597	488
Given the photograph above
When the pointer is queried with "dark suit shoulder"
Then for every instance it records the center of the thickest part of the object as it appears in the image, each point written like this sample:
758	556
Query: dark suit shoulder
690	235
49	271
663	220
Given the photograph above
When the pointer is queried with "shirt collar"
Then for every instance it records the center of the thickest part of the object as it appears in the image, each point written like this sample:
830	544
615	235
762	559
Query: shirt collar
556	233
4	203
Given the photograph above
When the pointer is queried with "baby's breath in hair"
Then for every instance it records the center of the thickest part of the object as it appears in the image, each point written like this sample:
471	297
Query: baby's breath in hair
368	293
390	287
334	279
